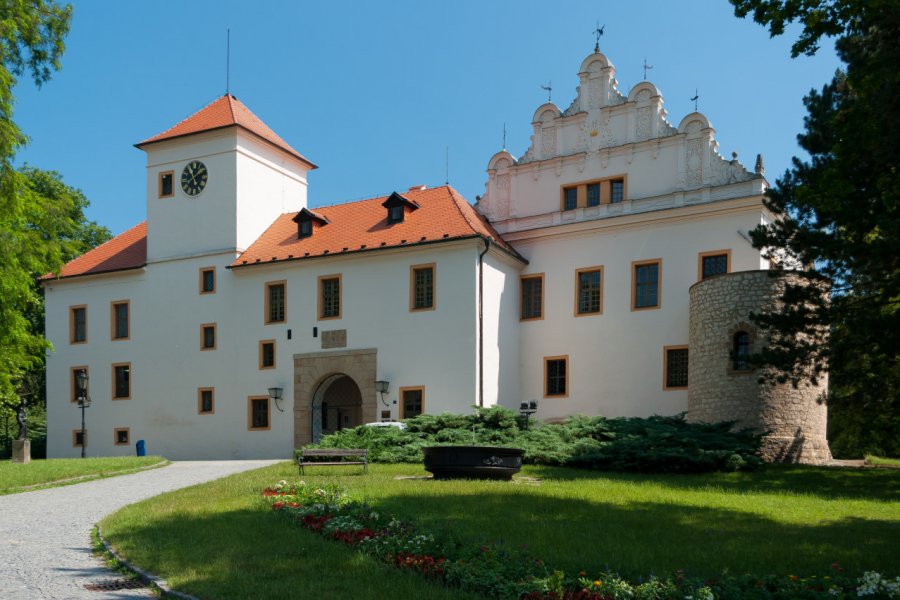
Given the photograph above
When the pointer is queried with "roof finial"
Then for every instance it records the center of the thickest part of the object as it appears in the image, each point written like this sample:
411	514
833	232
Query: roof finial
646	68
760	168
548	88
598	32
504	135
447	165
695	98
228	62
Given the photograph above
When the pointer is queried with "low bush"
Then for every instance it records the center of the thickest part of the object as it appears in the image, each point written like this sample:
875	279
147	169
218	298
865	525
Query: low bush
654	444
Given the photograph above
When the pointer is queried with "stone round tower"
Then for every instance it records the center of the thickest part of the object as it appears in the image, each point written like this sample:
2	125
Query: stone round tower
723	386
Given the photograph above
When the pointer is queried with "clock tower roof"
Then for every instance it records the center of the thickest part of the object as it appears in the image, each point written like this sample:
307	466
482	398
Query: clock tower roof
226	111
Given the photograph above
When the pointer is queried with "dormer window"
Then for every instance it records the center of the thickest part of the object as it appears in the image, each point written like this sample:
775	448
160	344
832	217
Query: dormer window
307	221
397	207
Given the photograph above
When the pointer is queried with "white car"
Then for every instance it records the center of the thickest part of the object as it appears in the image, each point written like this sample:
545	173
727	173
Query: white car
396	424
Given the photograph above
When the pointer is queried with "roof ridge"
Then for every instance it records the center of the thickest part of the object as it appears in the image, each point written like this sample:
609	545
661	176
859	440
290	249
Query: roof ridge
231	107
453	196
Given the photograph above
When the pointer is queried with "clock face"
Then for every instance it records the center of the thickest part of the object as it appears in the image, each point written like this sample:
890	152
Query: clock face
193	178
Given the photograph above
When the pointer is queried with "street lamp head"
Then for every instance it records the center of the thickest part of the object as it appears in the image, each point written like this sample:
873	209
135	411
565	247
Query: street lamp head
275	393
81	379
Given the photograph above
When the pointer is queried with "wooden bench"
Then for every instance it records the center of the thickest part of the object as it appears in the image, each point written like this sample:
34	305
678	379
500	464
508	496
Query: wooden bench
336	454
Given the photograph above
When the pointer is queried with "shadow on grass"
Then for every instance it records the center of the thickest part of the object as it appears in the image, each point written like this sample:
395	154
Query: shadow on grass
830	483
250	553
642	538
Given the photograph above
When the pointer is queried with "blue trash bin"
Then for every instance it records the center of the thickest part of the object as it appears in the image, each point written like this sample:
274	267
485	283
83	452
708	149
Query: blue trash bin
141	448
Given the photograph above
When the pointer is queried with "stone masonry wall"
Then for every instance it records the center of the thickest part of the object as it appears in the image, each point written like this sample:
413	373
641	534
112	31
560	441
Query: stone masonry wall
795	419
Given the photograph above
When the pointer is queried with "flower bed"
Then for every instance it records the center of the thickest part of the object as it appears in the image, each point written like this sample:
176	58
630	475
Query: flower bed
498	571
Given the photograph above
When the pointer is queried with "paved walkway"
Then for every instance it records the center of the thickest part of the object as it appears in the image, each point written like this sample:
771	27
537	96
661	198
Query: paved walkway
45	546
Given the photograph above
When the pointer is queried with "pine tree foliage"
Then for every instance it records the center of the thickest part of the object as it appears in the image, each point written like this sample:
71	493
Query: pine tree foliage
837	212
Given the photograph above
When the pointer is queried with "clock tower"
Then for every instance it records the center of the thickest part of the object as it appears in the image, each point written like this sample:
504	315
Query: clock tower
216	181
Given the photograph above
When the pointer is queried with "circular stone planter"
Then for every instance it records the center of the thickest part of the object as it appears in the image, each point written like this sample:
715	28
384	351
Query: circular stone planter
473	462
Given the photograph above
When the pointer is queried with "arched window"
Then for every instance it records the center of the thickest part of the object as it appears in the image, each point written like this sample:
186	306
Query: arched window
741	351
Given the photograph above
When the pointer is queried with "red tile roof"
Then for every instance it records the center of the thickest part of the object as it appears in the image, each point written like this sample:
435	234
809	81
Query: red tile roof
125	251
227	111
443	215
362	226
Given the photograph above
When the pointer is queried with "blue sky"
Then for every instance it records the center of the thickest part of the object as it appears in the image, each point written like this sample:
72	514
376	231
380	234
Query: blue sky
374	93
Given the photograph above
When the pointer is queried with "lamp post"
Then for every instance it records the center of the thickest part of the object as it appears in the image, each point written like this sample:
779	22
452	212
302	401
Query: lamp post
275	393
526	409
84	400
382	388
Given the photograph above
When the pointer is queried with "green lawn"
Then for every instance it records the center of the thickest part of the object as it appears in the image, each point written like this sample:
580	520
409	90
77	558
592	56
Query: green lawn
783	520
14	477
879	461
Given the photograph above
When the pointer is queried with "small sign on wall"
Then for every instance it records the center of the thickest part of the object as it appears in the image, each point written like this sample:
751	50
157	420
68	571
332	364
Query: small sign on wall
336	338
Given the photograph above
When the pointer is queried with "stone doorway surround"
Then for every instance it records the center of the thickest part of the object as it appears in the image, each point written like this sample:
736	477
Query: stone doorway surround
312	369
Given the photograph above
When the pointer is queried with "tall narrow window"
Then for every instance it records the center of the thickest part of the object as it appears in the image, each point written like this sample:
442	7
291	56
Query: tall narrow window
421	287
304	228
741	351
77	391
617	190
330	297
78	324
593	194
208	336
645	286
208	280
412	401
714	263
121	374
556	376
276	301
267	354
258	417
531	304
166	188
589	291
675	373
206	401
570	198
120	320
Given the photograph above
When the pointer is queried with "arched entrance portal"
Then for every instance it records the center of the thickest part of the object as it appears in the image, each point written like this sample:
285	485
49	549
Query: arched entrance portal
314	375
336	405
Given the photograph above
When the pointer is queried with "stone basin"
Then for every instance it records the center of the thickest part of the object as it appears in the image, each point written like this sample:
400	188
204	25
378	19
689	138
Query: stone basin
473	462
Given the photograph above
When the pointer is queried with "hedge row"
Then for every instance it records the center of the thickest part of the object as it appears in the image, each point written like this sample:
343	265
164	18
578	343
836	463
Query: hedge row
654	444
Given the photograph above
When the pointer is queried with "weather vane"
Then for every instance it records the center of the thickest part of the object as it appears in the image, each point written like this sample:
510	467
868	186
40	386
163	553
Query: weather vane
549	89
646	68
695	98
598	32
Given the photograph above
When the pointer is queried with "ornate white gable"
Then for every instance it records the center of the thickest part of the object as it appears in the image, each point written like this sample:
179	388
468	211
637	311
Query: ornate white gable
603	134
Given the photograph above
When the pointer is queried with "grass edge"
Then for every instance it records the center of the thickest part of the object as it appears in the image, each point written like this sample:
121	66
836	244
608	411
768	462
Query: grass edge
81	479
121	564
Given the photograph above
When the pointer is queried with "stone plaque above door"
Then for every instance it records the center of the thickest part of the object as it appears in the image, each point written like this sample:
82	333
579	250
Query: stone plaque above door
335	338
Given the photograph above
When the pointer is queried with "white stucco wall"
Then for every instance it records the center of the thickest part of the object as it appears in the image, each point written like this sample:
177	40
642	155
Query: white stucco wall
501	329
616	358
434	348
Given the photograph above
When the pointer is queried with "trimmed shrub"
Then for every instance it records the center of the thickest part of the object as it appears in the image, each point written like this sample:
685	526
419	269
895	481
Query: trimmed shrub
655	444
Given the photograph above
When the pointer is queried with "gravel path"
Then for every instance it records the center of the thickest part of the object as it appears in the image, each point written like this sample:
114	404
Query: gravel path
45	546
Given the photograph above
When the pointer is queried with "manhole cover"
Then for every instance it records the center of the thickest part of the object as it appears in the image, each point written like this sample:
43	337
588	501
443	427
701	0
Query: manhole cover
112	585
